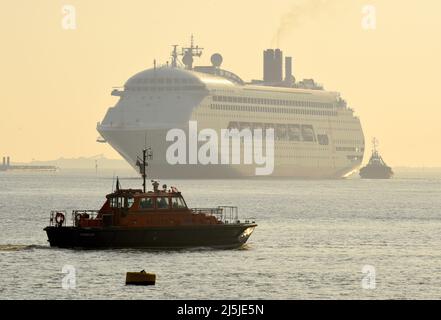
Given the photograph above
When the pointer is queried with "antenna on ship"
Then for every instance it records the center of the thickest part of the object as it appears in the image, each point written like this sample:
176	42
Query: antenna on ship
142	164
374	145
190	52
174	55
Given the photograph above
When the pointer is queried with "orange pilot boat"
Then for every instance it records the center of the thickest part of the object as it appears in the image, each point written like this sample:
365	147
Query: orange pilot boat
135	218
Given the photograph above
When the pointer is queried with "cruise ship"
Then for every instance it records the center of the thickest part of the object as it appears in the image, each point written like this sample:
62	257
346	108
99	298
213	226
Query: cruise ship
316	134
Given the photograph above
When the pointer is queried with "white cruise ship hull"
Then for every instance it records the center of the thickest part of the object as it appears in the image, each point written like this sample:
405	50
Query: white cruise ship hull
316	134
129	143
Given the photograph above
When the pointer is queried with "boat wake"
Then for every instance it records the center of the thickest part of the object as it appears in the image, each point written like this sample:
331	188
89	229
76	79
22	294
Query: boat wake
19	247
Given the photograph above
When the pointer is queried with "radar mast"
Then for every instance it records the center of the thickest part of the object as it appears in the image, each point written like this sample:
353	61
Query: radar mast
189	52
174	55
374	145
142	163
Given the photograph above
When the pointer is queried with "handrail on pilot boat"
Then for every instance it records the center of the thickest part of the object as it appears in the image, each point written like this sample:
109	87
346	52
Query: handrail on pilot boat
225	214
90	214
53	216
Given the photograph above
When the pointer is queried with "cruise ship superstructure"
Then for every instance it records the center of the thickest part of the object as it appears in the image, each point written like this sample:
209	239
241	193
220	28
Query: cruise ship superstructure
316	133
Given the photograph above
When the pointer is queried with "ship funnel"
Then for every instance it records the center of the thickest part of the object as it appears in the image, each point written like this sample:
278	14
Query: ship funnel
272	66
268	63
4	162
278	65
7	161
288	71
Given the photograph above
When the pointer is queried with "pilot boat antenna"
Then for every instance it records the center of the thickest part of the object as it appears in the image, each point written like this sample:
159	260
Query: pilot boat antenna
142	164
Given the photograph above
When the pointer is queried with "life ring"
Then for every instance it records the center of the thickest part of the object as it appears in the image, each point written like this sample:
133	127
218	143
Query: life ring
59	218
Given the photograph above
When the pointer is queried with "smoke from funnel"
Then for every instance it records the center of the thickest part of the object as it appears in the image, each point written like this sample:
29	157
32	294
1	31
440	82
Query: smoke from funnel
299	13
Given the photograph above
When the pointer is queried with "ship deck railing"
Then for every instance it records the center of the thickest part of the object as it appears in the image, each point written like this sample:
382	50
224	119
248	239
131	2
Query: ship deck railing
52	221
91	214
225	214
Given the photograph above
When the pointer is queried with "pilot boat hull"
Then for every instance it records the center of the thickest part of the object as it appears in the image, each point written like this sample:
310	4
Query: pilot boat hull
224	236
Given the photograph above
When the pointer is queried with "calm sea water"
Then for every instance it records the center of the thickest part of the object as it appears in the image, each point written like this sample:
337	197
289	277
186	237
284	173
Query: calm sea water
312	242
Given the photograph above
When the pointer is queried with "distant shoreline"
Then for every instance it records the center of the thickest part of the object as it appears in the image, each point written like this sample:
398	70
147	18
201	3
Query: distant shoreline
80	163
103	164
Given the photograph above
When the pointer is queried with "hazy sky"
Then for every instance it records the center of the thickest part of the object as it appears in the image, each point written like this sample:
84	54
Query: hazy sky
56	83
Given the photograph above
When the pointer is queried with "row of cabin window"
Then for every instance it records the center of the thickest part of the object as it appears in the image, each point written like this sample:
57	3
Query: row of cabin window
346	141
287	132
149	203
166	80
274	110
277	102
121	202
159	89
348	149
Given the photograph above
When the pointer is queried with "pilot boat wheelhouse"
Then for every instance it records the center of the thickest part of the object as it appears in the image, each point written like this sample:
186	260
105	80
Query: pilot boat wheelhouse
153	219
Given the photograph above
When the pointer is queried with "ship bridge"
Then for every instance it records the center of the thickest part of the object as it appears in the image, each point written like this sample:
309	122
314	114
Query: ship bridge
161	97
176	79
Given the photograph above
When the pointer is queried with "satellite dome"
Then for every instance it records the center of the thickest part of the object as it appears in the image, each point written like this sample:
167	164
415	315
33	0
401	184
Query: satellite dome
216	60
187	59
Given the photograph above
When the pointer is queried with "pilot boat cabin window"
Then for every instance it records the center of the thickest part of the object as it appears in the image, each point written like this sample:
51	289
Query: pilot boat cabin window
146	203
130	202
162	203
117	202
121	202
178	203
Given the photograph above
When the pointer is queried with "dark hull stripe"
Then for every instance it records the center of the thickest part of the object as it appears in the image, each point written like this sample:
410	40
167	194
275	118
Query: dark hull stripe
216	236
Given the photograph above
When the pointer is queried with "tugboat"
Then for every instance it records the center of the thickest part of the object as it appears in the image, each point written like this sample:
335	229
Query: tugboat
156	219
376	168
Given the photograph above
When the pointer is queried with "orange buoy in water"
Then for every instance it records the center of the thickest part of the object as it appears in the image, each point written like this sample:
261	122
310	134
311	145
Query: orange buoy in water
141	278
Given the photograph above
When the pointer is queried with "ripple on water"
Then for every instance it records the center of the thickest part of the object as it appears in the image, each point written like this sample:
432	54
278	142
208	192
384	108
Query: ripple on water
312	241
